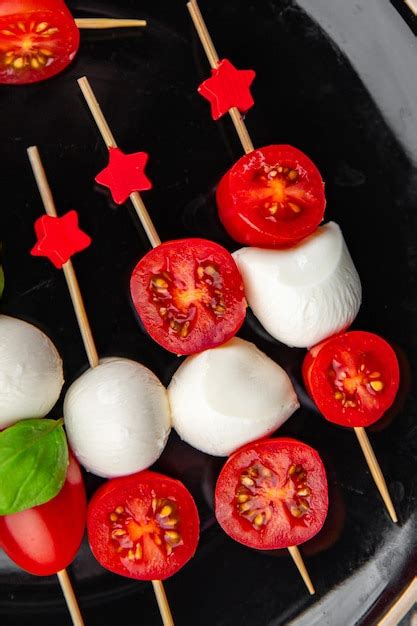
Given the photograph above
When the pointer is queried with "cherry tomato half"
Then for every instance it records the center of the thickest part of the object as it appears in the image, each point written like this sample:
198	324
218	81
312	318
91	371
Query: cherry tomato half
38	39
272	494
45	539
273	197
353	378
189	295
143	526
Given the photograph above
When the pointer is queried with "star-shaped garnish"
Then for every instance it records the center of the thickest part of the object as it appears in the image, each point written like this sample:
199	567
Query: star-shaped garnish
124	174
228	87
59	238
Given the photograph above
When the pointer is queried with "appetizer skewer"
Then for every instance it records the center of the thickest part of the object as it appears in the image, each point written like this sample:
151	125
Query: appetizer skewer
155	242
196	299
254	261
85	328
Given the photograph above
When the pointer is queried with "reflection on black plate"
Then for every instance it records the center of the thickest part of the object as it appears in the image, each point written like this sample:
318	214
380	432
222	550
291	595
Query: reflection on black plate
357	123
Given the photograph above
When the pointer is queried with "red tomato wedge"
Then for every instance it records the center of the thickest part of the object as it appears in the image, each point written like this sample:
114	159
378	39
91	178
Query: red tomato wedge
272	197
38	39
353	378
45	539
189	295
272	494
143	526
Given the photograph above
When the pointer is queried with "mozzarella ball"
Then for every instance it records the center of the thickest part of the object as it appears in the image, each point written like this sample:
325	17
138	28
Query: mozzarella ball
31	376
303	294
117	418
228	396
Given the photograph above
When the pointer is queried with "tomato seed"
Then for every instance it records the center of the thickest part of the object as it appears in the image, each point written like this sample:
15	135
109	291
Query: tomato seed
377	385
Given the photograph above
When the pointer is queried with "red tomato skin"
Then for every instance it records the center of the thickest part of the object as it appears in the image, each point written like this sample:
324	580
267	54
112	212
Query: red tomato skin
290	533
200	338
55	13
247	228
315	382
45	539
111	494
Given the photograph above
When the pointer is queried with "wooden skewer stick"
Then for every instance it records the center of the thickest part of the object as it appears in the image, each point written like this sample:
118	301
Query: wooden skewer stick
247	144
412	5
298	560
70	598
375	471
163	604
91	350
110	142
104	22
72	282
213	59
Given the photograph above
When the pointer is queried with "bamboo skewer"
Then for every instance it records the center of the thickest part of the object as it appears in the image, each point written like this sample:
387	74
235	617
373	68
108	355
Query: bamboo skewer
163	604
298	560
70	598
93	359
213	59
247	145
68	268
241	129
375	470
110	142
98	23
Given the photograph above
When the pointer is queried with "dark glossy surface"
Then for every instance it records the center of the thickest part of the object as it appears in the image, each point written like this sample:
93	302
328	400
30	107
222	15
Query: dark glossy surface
308	94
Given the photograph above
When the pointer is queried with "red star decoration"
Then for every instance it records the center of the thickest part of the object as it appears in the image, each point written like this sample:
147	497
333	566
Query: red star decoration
228	87
59	238
124	174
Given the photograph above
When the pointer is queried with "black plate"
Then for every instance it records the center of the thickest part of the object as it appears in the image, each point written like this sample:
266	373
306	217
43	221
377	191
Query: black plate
339	83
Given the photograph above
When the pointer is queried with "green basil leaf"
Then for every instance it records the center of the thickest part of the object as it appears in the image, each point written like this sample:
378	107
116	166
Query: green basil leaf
33	463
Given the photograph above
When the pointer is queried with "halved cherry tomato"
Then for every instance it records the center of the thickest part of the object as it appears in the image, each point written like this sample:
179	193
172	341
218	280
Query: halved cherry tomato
38	39
189	295
272	494
353	378
45	539
273	197
143	526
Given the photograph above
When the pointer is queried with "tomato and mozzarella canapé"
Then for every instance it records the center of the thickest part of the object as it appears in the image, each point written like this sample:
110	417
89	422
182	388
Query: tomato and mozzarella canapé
303	294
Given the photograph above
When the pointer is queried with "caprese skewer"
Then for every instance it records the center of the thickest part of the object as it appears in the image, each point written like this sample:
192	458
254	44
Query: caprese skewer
300	281
188	293
118	421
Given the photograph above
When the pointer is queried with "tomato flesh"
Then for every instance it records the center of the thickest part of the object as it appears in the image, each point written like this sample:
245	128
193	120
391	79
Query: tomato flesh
189	295
143	526
353	378
36	40
272	494
45	539
271	197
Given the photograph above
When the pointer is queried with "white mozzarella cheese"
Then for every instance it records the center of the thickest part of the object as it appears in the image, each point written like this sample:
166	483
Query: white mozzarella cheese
303	294
117	418
31	376
228	396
